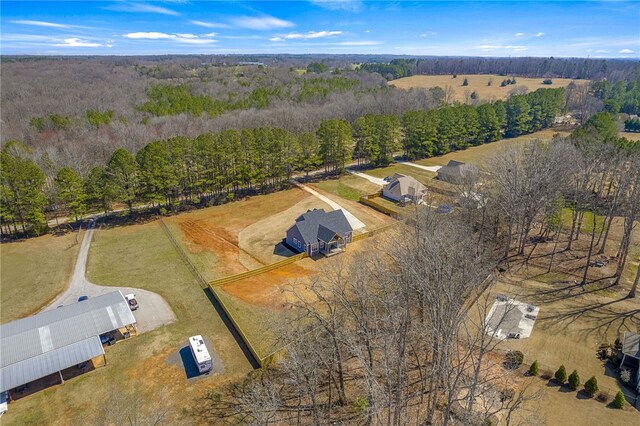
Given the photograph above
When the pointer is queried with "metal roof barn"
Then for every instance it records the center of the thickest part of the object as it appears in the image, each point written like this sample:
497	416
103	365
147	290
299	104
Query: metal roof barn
51	341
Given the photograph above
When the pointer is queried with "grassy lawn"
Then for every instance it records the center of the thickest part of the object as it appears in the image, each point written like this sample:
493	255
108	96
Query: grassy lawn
587	221
349	187
630	135
33	272
481	154
140	256
479	84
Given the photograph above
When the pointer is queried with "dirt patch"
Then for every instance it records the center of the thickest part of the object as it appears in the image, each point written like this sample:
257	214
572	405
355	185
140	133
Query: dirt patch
266	289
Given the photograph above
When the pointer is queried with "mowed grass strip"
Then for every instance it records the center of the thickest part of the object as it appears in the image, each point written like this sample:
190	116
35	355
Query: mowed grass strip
33	272
349	187
479	83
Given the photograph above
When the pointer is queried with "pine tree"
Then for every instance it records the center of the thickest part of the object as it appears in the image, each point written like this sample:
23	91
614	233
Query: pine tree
561	375
619	400
574	380
122	177
71	191
591	386
534	369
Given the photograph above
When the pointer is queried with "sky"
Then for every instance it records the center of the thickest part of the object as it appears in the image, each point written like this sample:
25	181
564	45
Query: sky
608	29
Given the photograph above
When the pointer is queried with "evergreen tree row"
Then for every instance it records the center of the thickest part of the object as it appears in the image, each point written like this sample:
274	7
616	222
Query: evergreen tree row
165	173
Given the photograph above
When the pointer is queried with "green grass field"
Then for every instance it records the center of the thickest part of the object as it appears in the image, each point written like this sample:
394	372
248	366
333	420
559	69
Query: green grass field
33	272
587	221
349	187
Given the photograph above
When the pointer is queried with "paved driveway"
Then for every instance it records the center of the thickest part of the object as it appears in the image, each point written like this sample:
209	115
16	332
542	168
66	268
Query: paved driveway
372	179
152	313
419	166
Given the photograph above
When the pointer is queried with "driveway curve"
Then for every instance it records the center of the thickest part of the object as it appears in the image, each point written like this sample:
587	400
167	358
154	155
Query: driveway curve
153	312
420	166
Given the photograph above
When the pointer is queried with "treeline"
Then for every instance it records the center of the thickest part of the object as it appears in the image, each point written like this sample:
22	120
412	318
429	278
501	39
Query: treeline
621	96
168	172
397	68
574	68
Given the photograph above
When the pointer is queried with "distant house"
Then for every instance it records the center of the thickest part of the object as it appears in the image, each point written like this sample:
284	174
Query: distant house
317	231
456	172
403	188
631	348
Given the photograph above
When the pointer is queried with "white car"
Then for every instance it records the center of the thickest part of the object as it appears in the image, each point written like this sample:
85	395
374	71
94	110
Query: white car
3	403
131	300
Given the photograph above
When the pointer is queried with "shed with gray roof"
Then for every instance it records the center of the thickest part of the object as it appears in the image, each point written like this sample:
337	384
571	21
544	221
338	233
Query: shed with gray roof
317	231
49	342
456	172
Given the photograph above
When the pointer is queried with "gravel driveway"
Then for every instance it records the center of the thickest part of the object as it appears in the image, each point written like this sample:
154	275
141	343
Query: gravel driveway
152	313
419	166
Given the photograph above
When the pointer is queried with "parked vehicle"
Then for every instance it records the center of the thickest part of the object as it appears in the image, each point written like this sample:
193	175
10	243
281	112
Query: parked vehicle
200	353
107	339
4	399
131	300
83	298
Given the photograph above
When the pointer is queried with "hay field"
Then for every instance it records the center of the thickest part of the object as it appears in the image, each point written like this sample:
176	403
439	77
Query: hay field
479	84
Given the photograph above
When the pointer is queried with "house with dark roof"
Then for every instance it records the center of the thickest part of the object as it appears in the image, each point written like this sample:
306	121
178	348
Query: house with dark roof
403	188
456	172
317	231
631	349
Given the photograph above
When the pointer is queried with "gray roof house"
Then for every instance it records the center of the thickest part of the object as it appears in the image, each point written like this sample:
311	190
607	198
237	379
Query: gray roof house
631	348
403	188
46	343
456	172
317	231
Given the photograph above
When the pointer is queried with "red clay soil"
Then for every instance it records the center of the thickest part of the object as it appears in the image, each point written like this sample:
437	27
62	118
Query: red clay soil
266	289
221	242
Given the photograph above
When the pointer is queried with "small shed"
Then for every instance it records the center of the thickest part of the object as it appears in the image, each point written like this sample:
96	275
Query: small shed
403	188
456	172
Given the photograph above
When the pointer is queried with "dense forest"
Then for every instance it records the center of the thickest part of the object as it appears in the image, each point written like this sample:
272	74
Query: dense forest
170	171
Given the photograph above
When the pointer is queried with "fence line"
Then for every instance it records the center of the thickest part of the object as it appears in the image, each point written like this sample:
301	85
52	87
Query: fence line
203	283
252	273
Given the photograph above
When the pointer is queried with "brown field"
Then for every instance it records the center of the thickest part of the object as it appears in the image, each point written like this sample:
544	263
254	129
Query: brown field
480	154
630	135
478	83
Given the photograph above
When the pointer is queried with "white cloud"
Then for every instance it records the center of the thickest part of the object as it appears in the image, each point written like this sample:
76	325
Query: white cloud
351	5
602	51
539	34
45	24
626	51
428	33
519	34
210	24
492	47
76	42
367	31
261	22
181	38
141	7
360	43
306	36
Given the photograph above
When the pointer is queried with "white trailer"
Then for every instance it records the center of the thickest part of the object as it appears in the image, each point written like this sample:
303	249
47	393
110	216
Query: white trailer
200	353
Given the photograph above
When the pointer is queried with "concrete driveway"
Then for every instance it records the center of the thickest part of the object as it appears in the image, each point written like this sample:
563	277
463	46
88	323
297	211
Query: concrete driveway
372	179
153	312
419	166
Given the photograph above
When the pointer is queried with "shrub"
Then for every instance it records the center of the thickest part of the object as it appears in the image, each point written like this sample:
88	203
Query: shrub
603	397
591	386
513	359
561	375
474	95
617	344
506	395
625	375
362	403
574	380
465	82
547	81
618	401
534	369
455	75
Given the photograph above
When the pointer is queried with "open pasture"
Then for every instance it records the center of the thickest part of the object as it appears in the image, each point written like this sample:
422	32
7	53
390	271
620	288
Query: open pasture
33	272
478	83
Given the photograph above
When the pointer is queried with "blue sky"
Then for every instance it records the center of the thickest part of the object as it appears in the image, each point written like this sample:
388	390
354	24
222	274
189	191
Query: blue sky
490	28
